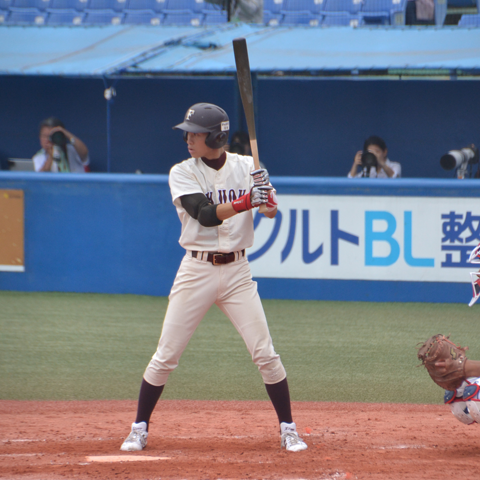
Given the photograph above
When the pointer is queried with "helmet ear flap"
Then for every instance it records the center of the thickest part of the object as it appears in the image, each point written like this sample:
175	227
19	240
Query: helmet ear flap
216	140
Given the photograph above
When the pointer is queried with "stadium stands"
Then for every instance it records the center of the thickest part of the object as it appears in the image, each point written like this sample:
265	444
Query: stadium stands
309	13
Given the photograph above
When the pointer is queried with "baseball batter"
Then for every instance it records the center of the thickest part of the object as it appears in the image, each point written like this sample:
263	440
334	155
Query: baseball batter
214	193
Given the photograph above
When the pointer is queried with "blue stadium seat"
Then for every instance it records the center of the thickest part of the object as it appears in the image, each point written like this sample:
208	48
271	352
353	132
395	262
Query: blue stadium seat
183	18
66	17
116	5
41	5
301	18
153	5
272	19
62	5
103	17
26	17
213	18
142	17
3	16
342	21
344	6
5	4
470	20
193	5
273	6
384	12
313	6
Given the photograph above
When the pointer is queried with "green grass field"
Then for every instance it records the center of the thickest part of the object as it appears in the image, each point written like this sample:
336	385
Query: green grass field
68	346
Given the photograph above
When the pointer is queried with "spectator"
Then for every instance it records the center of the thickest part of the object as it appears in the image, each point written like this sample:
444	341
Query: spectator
240	143
67	154
378	166
420	12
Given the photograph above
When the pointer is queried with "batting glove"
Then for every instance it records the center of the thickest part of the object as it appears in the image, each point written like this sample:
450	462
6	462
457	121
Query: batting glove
256	197
260	177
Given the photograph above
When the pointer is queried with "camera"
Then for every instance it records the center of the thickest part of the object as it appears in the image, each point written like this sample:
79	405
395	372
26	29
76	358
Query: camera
369	160
460	159
59	138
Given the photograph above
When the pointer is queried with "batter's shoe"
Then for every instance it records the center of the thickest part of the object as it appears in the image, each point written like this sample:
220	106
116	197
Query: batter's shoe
137	440
290	439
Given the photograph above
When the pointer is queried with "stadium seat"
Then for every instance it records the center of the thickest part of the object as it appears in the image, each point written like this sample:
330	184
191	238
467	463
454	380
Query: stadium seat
272	19
67	17
25	17
41	5
153	5
469	21
142	17
272	6
301	18
193	5
103	17
384	12
313	6
183	18
78	5
3	16
342	6
212	18
5	4
342	21
115	5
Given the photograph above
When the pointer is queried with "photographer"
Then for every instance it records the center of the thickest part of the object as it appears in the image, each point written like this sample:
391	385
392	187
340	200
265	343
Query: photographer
61	150
376	165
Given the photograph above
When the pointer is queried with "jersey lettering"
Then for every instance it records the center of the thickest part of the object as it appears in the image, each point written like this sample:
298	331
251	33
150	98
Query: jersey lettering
209	195
222	195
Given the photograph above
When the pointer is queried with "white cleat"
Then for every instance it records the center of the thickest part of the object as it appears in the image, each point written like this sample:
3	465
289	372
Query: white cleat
290	439
137	440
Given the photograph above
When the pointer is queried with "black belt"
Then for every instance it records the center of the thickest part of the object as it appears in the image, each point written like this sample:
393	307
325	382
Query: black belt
217	258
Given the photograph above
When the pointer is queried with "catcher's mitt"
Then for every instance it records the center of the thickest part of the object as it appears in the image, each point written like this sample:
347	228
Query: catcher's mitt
440	349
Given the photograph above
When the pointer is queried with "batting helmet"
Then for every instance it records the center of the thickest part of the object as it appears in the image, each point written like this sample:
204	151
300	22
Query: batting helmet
206	118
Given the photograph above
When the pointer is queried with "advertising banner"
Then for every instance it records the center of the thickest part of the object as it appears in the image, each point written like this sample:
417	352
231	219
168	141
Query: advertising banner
356	237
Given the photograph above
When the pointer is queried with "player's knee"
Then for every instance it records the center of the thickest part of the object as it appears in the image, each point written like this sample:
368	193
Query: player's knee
471	396
458	406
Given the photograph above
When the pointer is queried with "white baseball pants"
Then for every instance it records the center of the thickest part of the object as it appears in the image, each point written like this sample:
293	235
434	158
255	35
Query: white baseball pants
197	286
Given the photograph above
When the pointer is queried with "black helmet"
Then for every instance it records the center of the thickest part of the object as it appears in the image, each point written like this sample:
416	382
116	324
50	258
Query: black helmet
207	118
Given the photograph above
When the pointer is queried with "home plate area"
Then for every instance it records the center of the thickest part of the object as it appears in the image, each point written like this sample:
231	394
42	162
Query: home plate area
234	440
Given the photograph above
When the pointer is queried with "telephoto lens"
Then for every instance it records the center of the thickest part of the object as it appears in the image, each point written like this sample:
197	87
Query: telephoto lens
59	138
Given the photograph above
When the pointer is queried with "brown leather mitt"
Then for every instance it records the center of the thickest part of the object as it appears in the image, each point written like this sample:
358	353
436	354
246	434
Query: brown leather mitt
440	349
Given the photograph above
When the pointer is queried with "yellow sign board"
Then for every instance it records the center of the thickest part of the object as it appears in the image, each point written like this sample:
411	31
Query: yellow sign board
12	220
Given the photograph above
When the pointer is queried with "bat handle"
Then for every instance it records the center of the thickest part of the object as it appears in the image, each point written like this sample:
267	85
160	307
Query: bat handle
262	208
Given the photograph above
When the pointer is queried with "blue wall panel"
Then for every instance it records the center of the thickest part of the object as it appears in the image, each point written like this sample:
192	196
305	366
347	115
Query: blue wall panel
305	127
119	234
96	233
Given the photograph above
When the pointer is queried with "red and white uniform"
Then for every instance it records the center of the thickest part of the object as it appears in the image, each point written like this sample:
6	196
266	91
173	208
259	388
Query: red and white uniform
199	284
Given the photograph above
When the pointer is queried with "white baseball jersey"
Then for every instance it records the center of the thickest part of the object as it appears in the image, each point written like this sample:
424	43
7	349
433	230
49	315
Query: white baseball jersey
223	186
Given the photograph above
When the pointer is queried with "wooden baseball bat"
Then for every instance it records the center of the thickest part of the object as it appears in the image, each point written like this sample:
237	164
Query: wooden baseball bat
244	78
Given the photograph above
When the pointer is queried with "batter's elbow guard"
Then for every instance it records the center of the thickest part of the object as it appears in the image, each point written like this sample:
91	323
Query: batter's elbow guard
207	216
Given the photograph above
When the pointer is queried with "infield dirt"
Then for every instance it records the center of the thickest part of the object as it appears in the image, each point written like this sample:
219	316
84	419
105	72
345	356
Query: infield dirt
235	440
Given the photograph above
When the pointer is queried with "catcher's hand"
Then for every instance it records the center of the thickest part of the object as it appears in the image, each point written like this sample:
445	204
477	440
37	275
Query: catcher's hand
444	361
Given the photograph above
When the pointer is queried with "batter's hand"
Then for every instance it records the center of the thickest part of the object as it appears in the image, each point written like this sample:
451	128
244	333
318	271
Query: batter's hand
272	202
260	177
259	195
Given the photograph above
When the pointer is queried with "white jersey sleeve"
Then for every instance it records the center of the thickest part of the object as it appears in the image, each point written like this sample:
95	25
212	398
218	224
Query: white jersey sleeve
220	186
